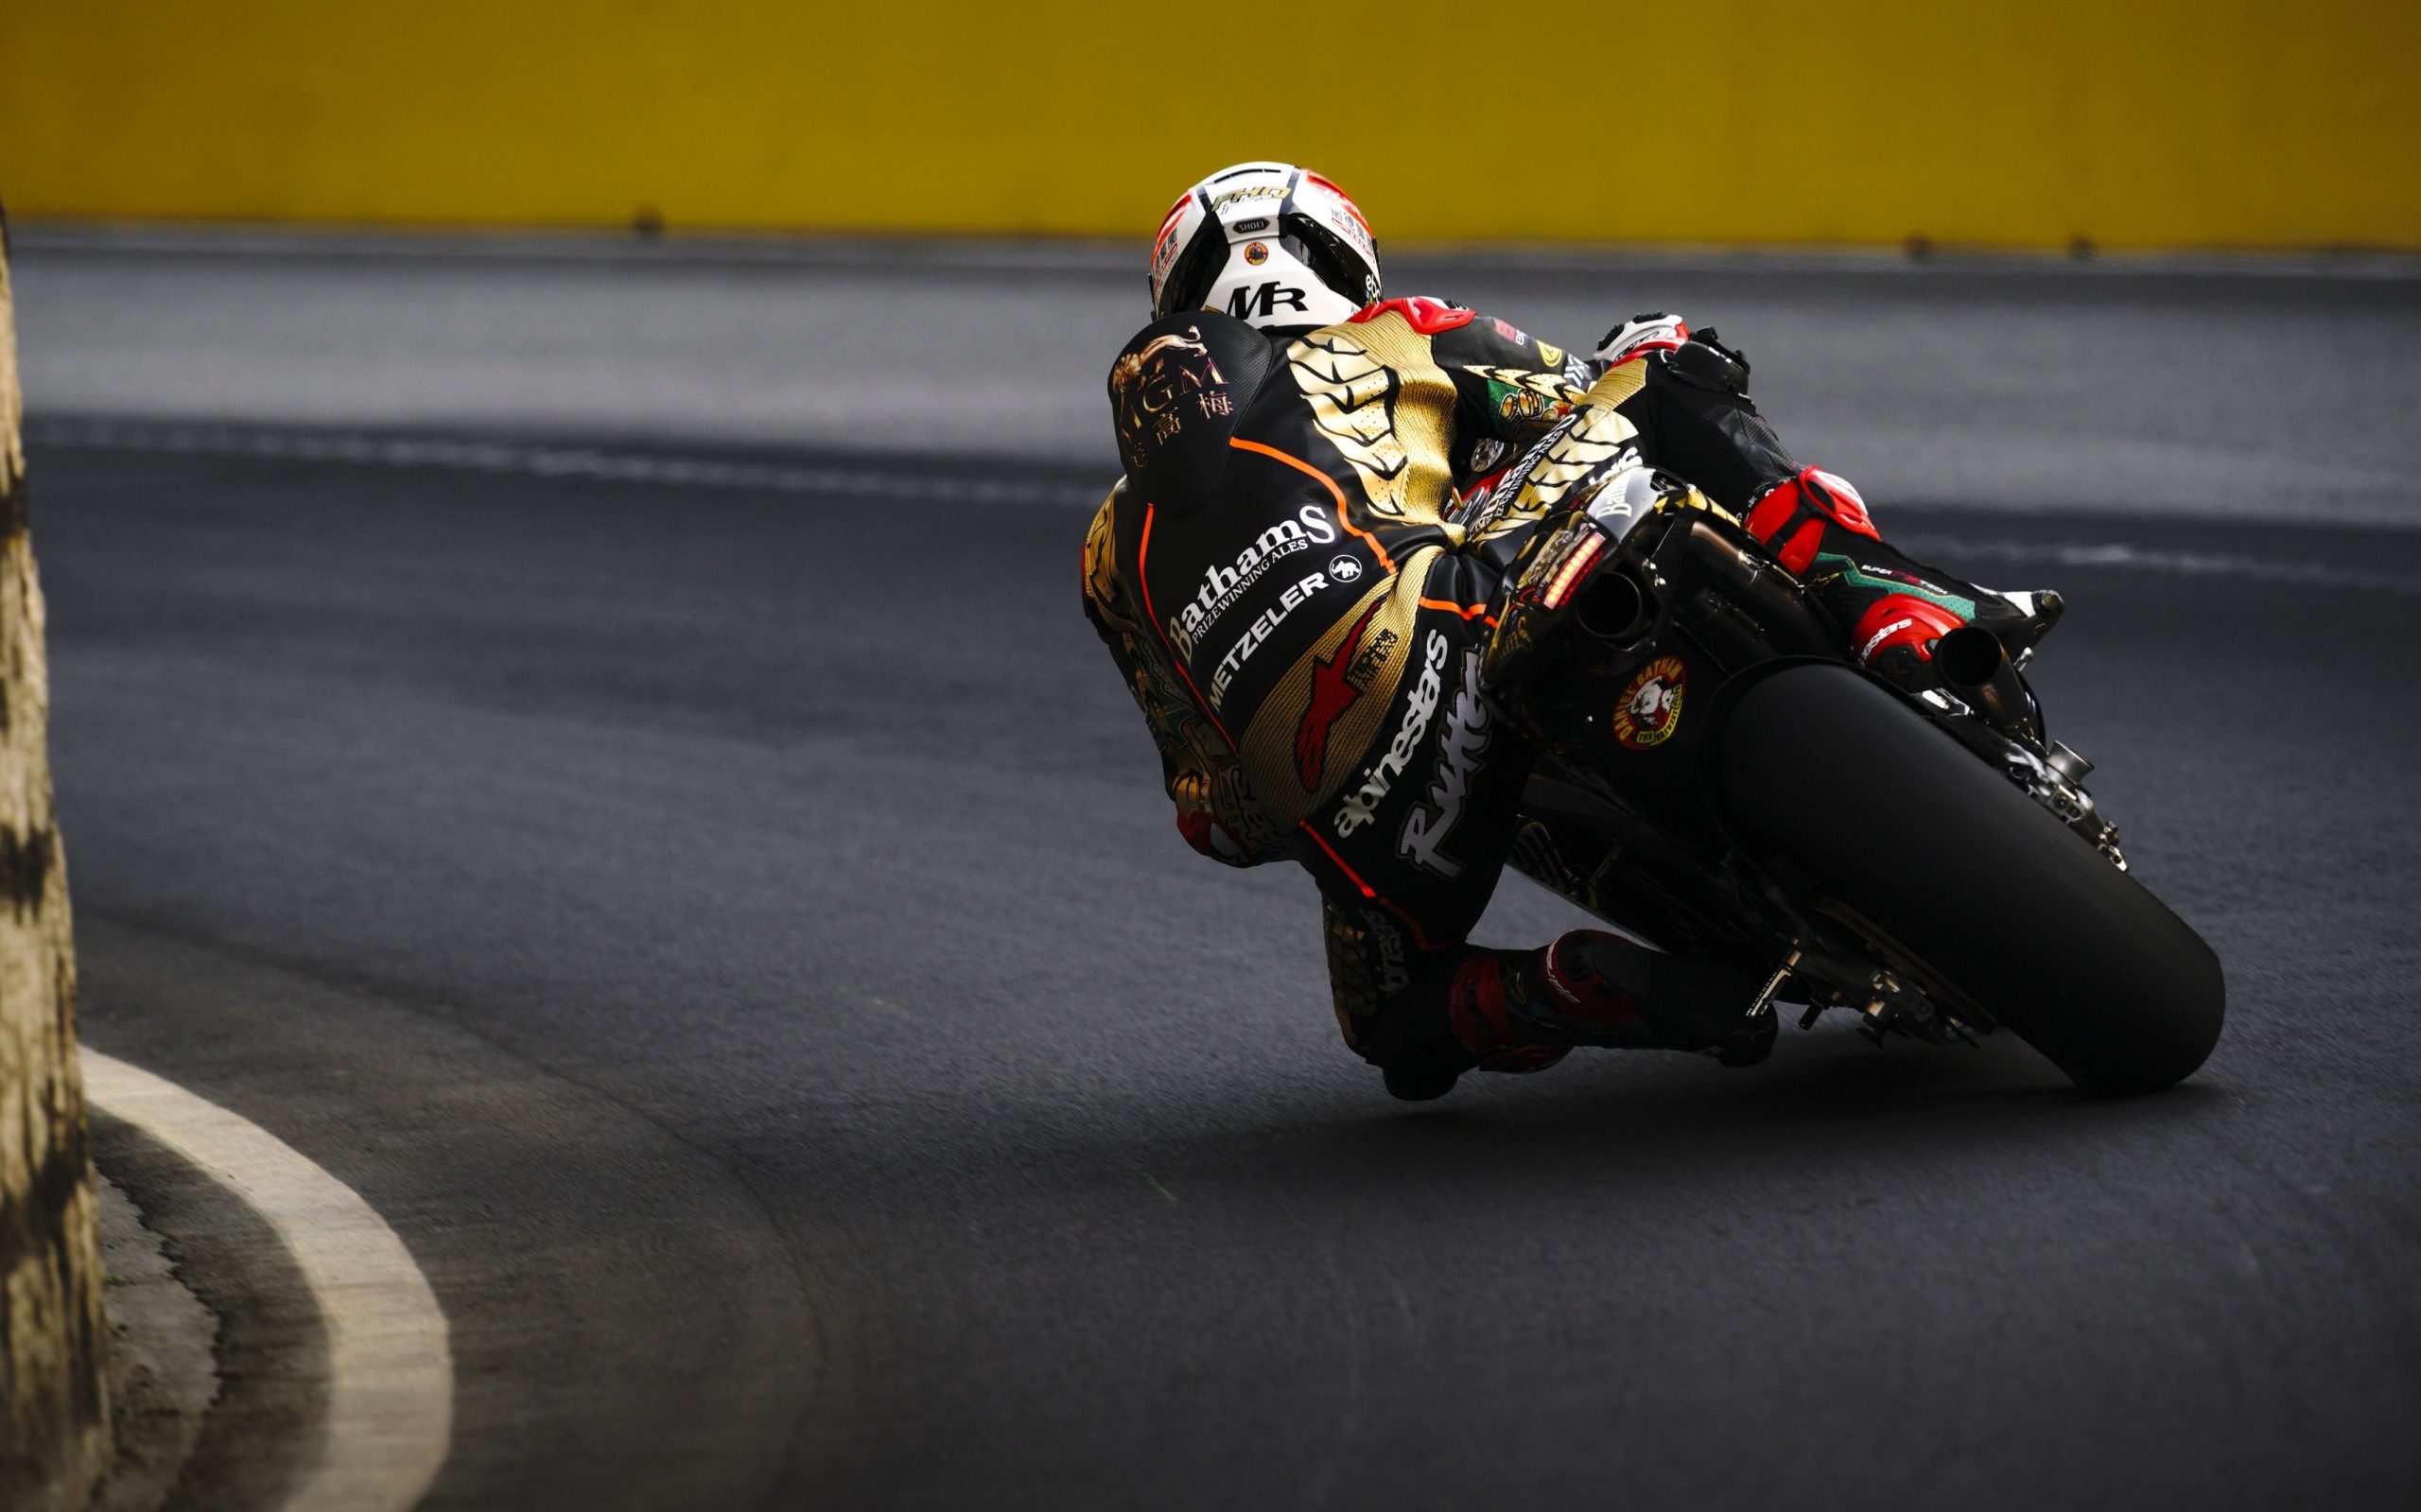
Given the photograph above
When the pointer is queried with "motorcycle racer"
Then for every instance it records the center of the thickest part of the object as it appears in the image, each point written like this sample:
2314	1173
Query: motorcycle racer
1295	577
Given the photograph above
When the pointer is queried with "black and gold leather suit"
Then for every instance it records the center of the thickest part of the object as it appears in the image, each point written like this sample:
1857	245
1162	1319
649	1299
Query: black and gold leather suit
1295	577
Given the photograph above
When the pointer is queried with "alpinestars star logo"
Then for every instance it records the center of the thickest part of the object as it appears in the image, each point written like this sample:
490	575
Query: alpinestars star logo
1338	680
1462	750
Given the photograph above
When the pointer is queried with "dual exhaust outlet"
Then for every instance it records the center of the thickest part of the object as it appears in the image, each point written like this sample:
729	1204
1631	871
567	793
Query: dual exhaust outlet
1972	662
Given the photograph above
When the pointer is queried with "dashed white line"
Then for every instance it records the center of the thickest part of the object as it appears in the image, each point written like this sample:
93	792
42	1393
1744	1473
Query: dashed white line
391	1366
2120	555
552	462
538	461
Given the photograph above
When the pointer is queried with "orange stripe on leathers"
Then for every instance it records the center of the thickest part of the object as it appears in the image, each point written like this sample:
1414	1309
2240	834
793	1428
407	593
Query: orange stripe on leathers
1386	562
1467	611
1419	935
1143	583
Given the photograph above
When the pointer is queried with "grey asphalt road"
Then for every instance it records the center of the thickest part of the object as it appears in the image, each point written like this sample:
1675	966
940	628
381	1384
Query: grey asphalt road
2227	389
734	936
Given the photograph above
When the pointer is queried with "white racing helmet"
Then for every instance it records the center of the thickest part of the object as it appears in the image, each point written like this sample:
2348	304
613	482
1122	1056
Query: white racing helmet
1272	244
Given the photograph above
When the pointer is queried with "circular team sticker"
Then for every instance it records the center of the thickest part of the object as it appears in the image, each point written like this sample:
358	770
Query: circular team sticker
1651	706
1257	253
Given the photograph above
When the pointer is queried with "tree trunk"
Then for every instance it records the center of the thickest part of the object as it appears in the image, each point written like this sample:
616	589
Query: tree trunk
53	1419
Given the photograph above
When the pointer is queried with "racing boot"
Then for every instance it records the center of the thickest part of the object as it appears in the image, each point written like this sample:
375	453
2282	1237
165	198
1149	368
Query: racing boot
1894	611
1524	1011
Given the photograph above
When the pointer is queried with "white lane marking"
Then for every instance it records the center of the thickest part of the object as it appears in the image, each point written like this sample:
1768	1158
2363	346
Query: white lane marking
390	1367
2120	555
691	472
805	253
552	462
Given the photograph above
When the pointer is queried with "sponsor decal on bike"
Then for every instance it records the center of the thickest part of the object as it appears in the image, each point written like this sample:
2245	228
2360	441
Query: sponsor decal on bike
1650	709
1360	806
1462	752
1338	680
1156	389
1625	486
1223	585
1257	632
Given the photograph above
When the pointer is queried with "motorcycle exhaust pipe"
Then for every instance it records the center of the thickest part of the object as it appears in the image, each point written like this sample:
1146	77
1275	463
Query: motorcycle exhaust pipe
1974	664
1612	608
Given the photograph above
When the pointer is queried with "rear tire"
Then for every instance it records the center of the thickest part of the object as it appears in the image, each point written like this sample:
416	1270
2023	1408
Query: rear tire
1949	859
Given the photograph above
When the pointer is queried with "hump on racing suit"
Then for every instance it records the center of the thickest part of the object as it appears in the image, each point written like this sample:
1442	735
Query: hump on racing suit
1173	395
1291	520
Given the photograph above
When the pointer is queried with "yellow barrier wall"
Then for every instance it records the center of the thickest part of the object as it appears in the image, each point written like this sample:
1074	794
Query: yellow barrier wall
2230	123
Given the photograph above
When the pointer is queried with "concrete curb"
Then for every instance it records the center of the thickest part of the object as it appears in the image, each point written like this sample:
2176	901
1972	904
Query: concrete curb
342	1399
162	1366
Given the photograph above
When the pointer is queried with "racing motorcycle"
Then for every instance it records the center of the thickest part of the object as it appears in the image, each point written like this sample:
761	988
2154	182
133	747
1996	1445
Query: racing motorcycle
1716	777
